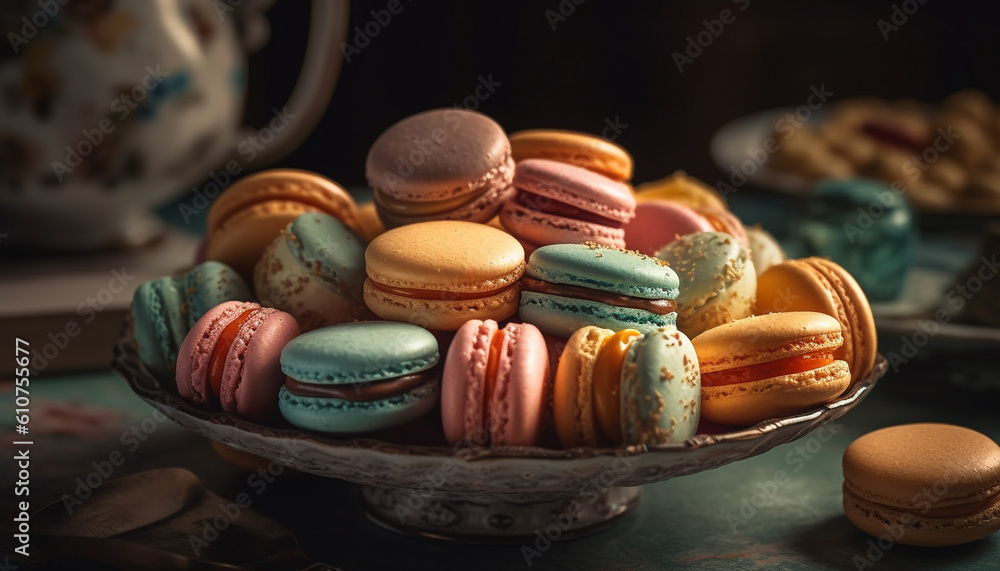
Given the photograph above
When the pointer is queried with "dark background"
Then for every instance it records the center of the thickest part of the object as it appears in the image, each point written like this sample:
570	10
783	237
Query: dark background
613	59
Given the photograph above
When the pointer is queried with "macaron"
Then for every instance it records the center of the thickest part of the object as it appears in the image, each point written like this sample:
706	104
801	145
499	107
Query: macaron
717	280
442	164
765	251
165	309
314	270
660	222
626	387
360	377
680	188
369	224
923	484
441	274
494	384
558	203
569	286
251	213
767	366
816	284
579	149
230	359
866	228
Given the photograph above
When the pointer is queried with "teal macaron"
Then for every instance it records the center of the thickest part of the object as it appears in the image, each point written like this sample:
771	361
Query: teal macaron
569	286
165	309
660	388
359	377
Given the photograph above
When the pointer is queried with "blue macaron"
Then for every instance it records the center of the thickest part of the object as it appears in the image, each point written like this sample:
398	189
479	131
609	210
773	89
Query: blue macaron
359	377
165	309
569	286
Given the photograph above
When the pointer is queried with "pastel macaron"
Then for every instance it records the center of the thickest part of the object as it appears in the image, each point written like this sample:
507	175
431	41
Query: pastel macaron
924	484
817	284
580	149
765	251
442	164
165	309
660	222
314	270
718	283
495	384
360	377
626	387
441	274
722	220
569	286
558	203
767	366
681	189
230	359
252	212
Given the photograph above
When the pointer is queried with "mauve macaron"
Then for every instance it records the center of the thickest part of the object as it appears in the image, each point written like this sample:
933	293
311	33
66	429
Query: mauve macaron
442	164
231	359
559	203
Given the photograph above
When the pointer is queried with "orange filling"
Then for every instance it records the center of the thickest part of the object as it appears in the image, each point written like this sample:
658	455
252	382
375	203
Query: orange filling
606	386
492	364
761	371
415	293
217	362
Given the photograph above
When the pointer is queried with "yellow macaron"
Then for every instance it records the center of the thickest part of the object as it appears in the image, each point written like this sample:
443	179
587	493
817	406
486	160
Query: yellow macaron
580	149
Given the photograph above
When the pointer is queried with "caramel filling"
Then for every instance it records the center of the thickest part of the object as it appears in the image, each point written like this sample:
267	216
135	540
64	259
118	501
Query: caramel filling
657	306
761	371
217	362
555	207
606	384
434	294
307	201
362	392
492	366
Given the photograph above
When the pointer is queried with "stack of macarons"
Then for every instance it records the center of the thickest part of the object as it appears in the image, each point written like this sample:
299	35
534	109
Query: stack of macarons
515	286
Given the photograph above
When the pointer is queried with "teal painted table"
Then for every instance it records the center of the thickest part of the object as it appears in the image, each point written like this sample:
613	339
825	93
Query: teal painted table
777	510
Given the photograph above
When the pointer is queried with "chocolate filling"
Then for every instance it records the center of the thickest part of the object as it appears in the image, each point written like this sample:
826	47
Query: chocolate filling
657	306
362	392
434	294
552	206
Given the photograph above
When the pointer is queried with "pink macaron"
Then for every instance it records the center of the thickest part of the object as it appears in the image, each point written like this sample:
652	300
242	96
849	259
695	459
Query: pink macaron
494	385
558	203
726	222
231	359
660	222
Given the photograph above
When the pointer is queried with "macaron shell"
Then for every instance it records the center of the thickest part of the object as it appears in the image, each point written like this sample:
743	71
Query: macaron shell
359	352
680	188
496	191
744	404
196	351
544	228
159	325
579	149
717	281
209	284
446	255
576	186
457	152
252	373
660	389
725	221
463	385
573	407
445	313
659	222
341	416
369	224
519	397
561	316
764	249
606	269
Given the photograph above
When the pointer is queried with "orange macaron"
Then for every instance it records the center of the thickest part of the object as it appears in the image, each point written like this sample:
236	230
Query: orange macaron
252	212
767	366
443	273
817	284
580	149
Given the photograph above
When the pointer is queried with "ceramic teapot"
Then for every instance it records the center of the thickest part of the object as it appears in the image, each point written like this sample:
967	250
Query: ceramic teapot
109	108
